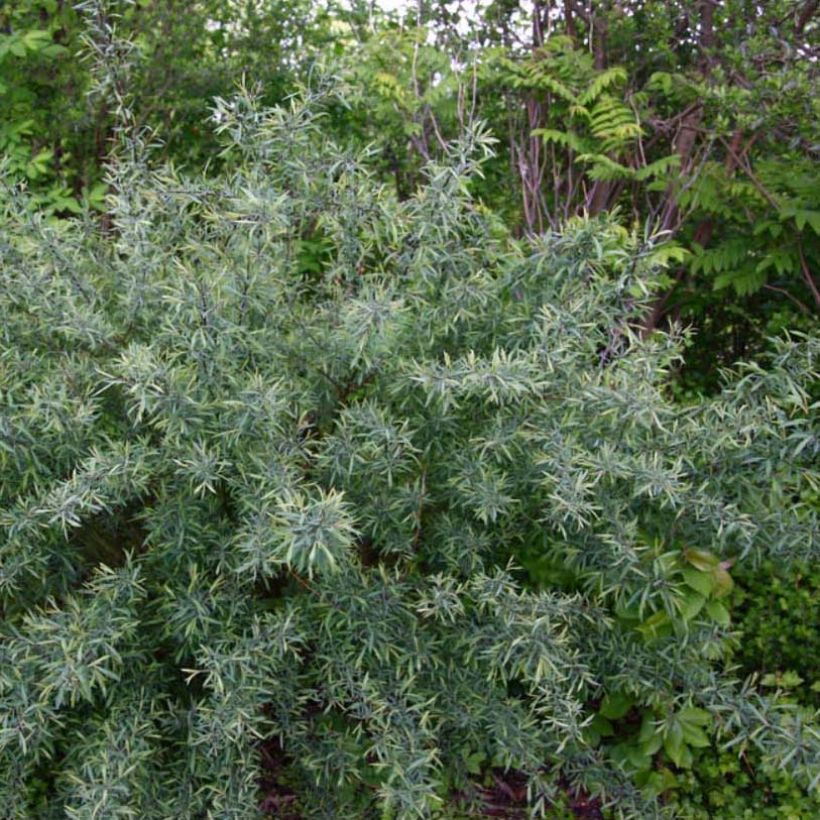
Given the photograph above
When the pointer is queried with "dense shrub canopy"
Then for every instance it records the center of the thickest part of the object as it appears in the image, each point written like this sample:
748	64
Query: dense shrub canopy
287	463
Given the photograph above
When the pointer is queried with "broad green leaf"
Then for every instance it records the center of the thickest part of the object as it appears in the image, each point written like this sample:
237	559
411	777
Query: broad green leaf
615	705
692	605
719	613
673	743
723	582
701	581
700	559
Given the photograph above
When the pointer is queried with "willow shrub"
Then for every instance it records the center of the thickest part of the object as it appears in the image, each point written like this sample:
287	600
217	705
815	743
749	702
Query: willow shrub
274	450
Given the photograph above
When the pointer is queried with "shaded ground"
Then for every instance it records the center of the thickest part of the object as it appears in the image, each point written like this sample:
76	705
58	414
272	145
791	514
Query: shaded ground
505	798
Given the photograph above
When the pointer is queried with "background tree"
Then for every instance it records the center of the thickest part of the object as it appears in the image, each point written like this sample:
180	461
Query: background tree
56	132
695	117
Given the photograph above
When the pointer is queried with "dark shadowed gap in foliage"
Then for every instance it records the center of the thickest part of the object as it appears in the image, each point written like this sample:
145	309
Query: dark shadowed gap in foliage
108	538
503	794
278	799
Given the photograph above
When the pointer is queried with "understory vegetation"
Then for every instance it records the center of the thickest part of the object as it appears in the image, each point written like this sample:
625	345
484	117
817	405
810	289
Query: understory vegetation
335	485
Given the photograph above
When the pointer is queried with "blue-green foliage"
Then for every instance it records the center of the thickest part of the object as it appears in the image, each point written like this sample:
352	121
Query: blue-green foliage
249	500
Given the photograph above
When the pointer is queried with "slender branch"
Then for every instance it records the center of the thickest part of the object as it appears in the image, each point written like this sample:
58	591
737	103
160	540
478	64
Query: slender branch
801	305
809	279
744	166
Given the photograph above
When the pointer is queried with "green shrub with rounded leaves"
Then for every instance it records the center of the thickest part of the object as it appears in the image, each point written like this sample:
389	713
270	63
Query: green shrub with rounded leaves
778	611
265	510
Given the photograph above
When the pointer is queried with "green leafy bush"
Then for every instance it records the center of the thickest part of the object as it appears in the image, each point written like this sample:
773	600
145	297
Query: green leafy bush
725	786
268	506
776	614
